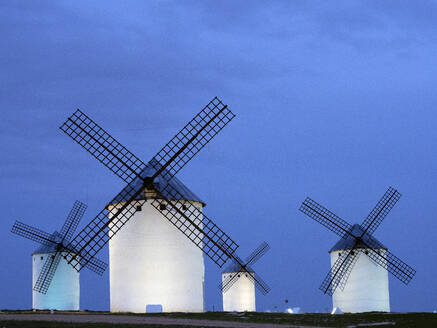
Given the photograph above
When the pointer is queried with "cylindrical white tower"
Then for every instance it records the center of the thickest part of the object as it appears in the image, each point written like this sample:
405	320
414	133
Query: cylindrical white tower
154	266
367	286
240	297
64	290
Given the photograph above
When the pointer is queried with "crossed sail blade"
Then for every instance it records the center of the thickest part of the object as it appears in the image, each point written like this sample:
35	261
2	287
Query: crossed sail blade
102	146
73	219
257	253
348	270
89	262
97	233
169	160
383	257
325	217
380	211
340	272
200	229
32	233
197	133
192	138
47	273
229	281
261	284
235	269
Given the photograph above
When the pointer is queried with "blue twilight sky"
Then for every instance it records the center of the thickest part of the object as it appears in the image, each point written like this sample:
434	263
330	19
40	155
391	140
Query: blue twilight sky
334	100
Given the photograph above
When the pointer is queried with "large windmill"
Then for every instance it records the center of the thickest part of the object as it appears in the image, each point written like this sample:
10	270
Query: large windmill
359	262
55	283
152	185
238	282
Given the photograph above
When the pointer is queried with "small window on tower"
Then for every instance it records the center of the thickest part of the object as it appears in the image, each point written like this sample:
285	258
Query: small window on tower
53	257
339	254
184	208
42	258
139	208
162	207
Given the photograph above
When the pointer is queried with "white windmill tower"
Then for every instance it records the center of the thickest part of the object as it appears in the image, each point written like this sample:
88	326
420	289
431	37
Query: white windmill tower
64	291
367	285
241	296
239	280
55	283
152	267
359	262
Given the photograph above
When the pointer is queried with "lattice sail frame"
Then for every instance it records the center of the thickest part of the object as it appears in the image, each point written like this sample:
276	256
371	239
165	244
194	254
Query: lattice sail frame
73	219
32	233
102	146
196	134
390	262
47	273
380	211
325	217
103	227
169	161
200	229
342	268
339	273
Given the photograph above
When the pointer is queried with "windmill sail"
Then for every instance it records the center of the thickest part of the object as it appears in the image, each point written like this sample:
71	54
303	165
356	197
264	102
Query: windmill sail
56	245
239	267
357	238
169	161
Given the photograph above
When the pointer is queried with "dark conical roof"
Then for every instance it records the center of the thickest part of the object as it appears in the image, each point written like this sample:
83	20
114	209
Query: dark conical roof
234	267
160	183
50	248
349	241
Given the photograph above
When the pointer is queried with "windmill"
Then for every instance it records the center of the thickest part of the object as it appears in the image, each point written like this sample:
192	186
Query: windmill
238	282
363	279
152	185
49	268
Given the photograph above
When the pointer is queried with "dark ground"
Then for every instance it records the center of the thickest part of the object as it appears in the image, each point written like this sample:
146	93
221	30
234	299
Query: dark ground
213	319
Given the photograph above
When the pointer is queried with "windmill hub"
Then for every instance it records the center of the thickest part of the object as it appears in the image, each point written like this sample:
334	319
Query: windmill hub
357	231
148	182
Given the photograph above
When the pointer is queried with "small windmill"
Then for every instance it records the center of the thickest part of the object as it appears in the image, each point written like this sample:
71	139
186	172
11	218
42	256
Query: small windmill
368	290
65	295
239	280
154	183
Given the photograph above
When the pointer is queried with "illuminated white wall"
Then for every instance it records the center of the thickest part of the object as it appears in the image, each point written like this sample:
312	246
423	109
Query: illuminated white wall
151	262
240	297
366	289
64	290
